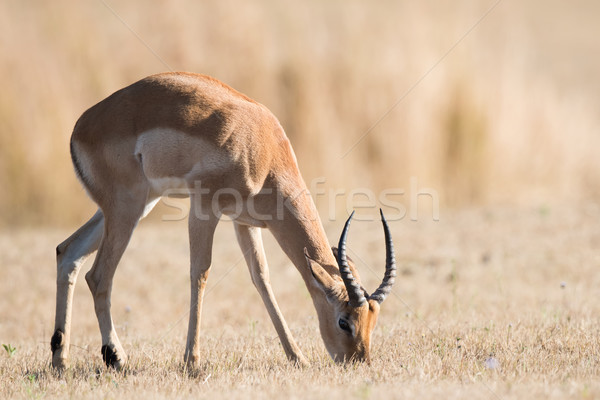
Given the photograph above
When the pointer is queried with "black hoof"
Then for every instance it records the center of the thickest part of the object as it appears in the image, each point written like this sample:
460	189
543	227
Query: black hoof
109	356
57	340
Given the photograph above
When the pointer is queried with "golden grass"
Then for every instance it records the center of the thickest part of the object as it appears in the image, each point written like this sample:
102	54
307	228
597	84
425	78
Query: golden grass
509	116
477	285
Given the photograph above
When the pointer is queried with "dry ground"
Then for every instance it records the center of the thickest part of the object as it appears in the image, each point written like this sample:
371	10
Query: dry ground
489	304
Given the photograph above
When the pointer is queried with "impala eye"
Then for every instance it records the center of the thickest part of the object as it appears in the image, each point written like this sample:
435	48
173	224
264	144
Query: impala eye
344	325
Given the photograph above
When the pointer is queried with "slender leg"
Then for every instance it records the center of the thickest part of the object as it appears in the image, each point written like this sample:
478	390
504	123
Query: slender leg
250	240
120	221
70	256
201	231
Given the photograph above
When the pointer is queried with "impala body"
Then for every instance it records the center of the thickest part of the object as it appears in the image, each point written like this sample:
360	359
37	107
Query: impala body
182	130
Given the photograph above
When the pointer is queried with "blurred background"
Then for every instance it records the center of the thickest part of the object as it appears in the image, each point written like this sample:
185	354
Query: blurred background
488	108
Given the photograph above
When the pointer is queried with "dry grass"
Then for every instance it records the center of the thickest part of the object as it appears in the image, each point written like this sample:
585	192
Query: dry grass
478	284
510	115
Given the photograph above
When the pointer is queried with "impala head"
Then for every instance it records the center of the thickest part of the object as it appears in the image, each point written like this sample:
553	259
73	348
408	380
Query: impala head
347	319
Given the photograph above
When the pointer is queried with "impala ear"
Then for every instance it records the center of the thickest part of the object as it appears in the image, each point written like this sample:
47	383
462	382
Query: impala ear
334	250
321	278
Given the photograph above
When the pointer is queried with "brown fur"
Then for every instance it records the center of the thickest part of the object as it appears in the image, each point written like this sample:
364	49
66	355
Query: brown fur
189	128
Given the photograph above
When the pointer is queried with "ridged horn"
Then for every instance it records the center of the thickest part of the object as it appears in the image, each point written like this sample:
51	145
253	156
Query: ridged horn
390	266
355	293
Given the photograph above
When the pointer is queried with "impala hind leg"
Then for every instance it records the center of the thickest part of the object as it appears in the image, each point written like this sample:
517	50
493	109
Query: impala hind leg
201	231
70	256
250	240
120	221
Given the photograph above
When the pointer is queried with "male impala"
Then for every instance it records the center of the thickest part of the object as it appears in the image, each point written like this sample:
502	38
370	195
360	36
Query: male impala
184	130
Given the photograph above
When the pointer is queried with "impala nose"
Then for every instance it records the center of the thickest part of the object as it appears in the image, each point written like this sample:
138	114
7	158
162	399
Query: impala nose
360	355
363	357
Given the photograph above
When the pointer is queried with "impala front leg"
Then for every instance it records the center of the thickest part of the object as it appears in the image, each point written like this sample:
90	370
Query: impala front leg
201	230
250	241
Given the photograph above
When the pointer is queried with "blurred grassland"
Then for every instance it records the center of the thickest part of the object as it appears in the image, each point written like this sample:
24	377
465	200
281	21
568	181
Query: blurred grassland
509	116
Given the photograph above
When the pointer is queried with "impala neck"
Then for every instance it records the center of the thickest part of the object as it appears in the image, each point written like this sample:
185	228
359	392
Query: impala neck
301	228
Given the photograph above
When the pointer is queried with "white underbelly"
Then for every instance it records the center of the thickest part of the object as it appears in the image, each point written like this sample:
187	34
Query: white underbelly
174	161
173	184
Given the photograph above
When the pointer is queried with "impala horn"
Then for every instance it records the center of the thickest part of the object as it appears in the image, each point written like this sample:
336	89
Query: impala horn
355	293
390	266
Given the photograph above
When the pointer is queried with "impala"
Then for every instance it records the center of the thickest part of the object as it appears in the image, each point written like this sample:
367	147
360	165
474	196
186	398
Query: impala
178	130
